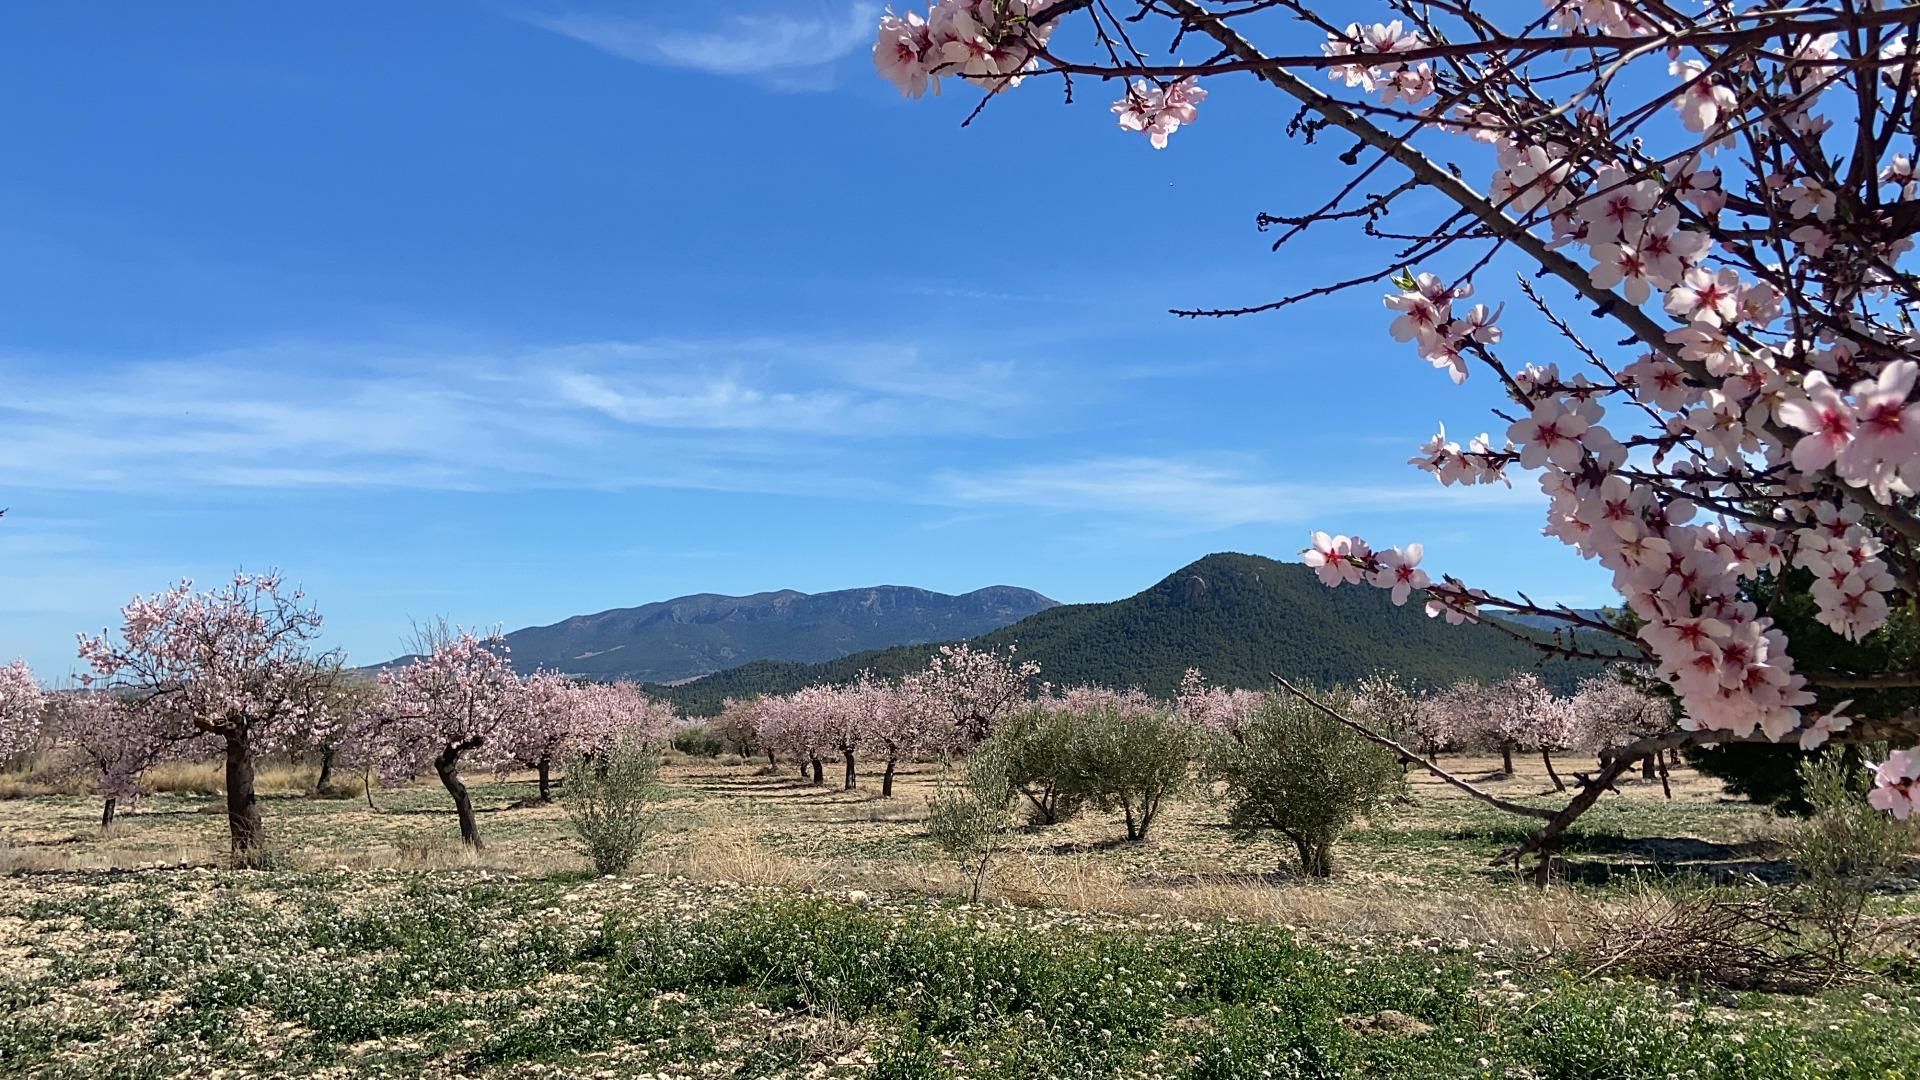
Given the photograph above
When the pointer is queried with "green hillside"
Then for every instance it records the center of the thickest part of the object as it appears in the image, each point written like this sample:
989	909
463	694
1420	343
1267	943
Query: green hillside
1236	617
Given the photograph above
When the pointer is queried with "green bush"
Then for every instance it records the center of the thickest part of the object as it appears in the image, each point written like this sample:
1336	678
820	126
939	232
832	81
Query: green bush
610	800
968	817
1305	775
699	741
1132	760
1841	852
1039	747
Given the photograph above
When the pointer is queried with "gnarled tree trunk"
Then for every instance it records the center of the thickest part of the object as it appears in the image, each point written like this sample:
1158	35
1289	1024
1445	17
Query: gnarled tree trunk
1546	756
819	772
546	783
106	813
243	807
448	766
326	769
1506	760
847	756
886	779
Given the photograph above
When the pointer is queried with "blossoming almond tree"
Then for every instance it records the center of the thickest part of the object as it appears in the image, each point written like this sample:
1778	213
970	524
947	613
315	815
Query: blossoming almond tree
1716	207
20	705
974	687
455	701
110	743
233	663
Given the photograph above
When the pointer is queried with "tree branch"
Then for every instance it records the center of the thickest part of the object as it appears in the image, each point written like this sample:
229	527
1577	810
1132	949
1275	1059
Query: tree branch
1407	754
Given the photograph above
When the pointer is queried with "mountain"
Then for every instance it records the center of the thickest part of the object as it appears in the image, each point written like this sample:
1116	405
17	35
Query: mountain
1236	617
1548	622
680	639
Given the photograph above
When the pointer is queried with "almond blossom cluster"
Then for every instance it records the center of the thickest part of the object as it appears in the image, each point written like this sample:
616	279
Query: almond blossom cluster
1157	112
989	43
1896	784
1427	319
1375	71
993	44
20	703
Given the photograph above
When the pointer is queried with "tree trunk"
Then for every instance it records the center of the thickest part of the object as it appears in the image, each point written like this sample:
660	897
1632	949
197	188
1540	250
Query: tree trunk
847	755
1506	760
448	766
772	763
243	808
106	813
326	769
886	780
819	772
366	781
1547	757
980	874
1315	860
1133	832
1647	766
546	787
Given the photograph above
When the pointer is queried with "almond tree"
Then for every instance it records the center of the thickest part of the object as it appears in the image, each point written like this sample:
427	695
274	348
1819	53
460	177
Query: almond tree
20	704
1713	211
110	743
1215	708
549	726
233	663
455	701
974	687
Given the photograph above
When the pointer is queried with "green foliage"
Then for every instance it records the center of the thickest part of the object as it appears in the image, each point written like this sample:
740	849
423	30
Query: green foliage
698	740
1306	775
1037	745
968	817
437	977
1236	617
610	801
1841	853
1132	760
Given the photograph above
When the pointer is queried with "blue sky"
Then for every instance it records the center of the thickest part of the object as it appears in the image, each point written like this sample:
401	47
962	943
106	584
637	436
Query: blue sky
512	311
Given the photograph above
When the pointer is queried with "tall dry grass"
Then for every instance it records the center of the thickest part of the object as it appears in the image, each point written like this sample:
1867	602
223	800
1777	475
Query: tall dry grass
46	773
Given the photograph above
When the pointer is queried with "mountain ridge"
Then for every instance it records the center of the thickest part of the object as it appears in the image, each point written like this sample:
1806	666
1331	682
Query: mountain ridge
1236	617
685	637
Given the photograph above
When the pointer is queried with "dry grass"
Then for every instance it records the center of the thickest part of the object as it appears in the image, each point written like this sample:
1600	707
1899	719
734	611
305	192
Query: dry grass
1422	871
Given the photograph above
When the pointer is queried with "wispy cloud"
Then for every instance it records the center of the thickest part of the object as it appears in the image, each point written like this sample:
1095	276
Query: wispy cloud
757	415
788	50
1205	494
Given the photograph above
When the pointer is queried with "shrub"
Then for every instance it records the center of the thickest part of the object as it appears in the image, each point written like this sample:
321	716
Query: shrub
1840	853
610	800
699	741
968	818
1132	759
1306	775
1039	747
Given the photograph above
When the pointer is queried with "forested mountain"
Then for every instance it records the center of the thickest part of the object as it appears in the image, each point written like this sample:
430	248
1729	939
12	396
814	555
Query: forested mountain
693	635
1236	617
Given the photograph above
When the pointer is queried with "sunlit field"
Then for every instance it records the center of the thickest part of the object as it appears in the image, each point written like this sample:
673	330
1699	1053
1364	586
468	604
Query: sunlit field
775	928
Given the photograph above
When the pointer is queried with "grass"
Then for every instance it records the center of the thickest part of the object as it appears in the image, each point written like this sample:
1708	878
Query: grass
468	973
384	947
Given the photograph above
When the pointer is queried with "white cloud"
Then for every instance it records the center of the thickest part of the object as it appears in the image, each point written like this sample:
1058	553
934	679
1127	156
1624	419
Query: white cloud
789	50
756	415
1205	494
